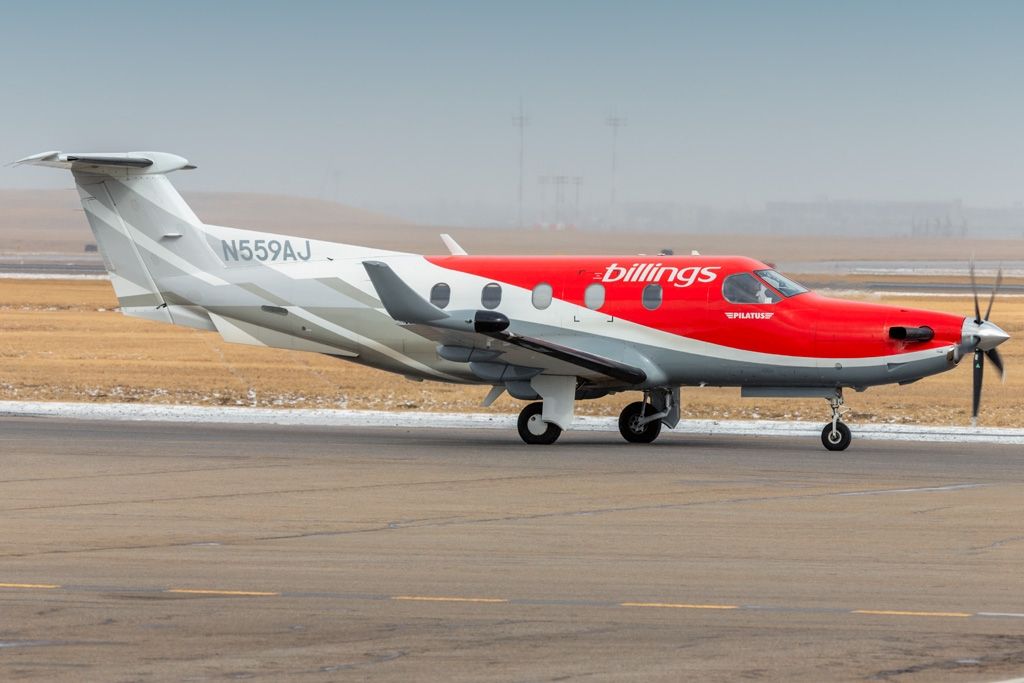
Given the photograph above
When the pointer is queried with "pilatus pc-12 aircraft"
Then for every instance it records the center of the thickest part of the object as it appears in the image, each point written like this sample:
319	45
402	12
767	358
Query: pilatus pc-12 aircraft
551	330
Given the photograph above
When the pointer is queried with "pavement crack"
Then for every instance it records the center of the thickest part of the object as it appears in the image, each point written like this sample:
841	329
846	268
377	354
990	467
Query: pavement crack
271	492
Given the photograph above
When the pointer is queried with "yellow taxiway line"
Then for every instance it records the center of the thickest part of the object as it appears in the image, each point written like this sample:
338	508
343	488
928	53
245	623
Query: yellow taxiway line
902	613
201	591
432	598
516	601
676	605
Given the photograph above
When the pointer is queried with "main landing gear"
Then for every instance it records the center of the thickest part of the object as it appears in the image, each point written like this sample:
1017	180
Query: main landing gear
639	422
533	429
836	436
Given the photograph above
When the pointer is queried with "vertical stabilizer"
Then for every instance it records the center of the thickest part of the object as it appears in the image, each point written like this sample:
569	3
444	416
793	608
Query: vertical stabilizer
145	231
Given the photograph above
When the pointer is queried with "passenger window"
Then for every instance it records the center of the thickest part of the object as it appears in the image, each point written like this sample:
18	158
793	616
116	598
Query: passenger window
744	288
440	295
491	296
651	298
542	296
593	296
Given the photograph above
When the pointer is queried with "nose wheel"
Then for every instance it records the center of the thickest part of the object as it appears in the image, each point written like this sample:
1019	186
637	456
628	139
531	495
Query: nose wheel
836	436
533	429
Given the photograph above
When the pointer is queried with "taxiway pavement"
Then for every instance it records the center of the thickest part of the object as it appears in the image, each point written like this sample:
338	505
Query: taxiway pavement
175	551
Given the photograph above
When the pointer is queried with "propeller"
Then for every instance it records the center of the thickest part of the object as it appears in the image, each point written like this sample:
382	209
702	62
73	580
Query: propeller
986	336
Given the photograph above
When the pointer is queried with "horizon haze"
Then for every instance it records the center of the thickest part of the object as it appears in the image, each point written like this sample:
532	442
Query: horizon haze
410	109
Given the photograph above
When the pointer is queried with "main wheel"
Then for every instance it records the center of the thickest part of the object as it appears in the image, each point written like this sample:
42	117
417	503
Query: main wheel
535	430
630	427
837	441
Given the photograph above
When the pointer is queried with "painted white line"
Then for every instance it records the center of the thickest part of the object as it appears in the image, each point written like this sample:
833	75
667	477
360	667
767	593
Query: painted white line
416	420
1007	615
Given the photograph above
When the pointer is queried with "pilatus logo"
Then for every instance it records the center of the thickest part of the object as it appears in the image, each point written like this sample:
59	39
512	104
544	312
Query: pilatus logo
752	315
656	272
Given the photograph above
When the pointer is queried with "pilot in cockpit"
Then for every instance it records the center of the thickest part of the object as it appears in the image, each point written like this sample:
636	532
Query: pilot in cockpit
744	288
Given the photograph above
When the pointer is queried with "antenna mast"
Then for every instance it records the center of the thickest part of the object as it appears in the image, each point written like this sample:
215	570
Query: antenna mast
521	122
615	122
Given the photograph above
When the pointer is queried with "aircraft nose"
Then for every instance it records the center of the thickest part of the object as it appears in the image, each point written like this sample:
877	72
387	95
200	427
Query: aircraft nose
987	335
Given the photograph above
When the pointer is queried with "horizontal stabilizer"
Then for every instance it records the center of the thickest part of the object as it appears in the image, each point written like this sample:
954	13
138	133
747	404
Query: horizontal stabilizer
110	163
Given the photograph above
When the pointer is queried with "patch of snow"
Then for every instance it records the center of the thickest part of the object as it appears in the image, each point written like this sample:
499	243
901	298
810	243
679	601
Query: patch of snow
321	417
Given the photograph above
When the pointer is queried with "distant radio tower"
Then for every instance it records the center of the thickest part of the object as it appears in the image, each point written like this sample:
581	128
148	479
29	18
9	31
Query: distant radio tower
560	182
521	122
543	182
577	181
615	122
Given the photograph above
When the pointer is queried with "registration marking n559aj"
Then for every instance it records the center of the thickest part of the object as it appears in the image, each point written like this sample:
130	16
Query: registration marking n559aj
29	585
199	591
430	598
902	613
676	605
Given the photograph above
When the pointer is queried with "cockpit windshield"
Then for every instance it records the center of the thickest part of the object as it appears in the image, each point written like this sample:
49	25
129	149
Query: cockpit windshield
780	282
744	288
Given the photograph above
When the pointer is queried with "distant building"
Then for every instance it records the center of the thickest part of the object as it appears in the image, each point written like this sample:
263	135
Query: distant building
856	217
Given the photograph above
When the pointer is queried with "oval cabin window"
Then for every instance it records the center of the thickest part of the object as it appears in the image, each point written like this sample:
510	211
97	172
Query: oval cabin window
491	296
542	296
593	296
651	298
440	294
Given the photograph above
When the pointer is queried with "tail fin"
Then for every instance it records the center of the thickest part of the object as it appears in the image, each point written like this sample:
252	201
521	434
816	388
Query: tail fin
144	229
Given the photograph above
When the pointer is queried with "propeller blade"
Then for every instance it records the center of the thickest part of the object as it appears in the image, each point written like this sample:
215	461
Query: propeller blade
995	288
974	288
997	361
979	371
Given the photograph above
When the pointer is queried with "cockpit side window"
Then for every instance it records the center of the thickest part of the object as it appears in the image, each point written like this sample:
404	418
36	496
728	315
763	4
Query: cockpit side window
744	288
786	287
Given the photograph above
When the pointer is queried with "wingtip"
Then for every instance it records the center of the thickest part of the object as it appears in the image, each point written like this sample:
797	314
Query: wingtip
42	156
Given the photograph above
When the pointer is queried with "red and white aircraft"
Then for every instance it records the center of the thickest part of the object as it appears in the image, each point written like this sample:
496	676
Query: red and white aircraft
549	330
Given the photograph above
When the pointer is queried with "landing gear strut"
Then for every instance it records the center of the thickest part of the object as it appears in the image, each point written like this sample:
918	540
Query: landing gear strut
533	429
836	436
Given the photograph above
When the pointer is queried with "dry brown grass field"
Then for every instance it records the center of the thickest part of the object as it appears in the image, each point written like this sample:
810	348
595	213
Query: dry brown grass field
63	340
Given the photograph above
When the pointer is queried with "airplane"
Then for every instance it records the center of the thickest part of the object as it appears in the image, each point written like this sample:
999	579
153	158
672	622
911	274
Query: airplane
549	330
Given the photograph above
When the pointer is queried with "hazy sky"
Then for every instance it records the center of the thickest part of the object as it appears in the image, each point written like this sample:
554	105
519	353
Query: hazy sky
728	103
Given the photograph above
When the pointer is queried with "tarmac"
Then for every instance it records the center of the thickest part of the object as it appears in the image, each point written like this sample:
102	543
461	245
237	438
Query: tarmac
138	551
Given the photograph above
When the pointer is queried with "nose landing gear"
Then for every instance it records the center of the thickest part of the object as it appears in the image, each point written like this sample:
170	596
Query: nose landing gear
836	436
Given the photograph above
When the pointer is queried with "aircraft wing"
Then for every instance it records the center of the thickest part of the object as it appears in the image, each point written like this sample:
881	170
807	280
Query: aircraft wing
470	328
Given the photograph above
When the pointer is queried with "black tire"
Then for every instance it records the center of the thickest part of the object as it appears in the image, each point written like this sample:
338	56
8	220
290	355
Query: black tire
637	433
839	441
530	418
